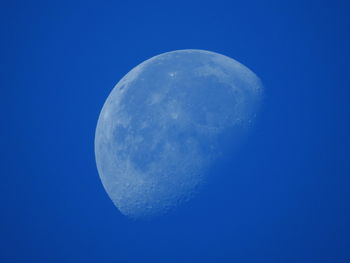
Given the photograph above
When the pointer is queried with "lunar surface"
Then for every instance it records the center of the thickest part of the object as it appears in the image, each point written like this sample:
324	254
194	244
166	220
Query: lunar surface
166	123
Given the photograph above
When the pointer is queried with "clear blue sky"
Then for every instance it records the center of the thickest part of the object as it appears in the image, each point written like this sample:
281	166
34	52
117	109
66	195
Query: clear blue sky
285	198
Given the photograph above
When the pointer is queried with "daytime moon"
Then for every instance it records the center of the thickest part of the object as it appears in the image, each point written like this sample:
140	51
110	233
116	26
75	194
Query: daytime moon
166	123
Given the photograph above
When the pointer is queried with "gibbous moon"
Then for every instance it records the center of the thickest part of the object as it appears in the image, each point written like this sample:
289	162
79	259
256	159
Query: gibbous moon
166	123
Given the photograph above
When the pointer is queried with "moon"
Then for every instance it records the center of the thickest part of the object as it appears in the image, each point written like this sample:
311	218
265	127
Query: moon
166	123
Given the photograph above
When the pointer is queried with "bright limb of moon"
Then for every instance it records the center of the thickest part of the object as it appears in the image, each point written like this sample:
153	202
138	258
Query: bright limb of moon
163	124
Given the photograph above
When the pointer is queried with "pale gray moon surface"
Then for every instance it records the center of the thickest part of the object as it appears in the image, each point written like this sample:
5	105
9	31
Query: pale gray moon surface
162	127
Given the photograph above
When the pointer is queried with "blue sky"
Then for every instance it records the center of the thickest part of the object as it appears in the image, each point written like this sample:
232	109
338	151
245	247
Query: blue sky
285	197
